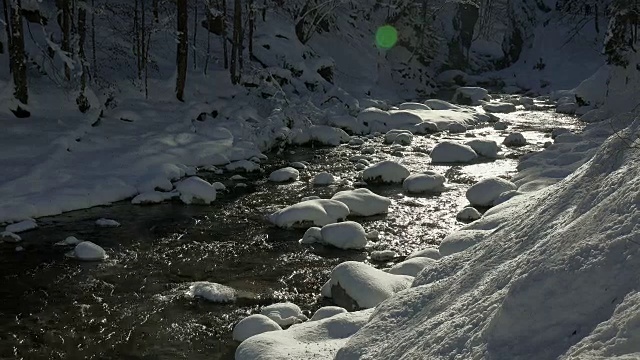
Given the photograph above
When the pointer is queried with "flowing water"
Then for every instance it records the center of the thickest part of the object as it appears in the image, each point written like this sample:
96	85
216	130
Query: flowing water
132	306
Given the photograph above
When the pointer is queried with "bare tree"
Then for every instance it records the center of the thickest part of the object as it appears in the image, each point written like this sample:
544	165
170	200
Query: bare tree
64	20
17	56
81	100
183	48
312	14
225	51
236	50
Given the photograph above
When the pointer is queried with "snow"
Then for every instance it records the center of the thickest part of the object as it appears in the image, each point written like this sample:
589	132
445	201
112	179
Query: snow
102	222
319	212
253	325
470	213
243	165
506	196
460	241
425	127
22	226
413	106
323	179
284	314
153	197
421	183
195	190
515	139
327	312
567	105
323	134
284	175
88	251
312	235
452	152
213	292
363	202
470	96
430	252
484	147
68	241
366	285
411	266
499	107
344	235
403	137
7	236
386	171
486	191
436	104
298	165
383	255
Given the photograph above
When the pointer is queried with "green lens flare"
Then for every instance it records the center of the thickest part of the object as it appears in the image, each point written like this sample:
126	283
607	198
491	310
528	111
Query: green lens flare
386	36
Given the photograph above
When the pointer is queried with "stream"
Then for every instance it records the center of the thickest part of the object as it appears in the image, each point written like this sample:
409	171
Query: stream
132	306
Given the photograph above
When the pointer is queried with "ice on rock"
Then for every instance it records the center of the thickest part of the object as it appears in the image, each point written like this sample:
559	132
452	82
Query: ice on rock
195	190
486	191
253	325
284	314
10	237
413	106
107	223
22	226
344	235
88	251
323	179
468	214
499	107
515	139
363	202
485	148
383	255
386	171
298	165
327	312
470	96
243	165
436	104
392	135
500	125
153	197
69	241
411	267
284	175
213	292
311	236
460	241
426	182
357	285
456	128
319	212
430	252
452	152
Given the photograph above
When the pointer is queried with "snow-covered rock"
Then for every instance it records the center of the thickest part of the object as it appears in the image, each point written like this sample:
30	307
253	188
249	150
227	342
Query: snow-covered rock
392	135
567	105
386	171
327	312
383	255
500	125
499	107
456	128
10	237
468	214
413	106
425	127
88	251
460	240
484	147
436	104
153	197
253	325
323	179
68	241
107	223
430	252
194	190
298	165
403	139
345	235
486	191
411	266
22	226
312	235
319	212
515	139
470	96
284	175
328	135
243	165
358	285
284	314
452	152
219	186
426	182
363	202
213	292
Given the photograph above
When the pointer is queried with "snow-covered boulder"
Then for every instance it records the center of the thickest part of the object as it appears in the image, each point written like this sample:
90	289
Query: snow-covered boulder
456	128
403	137
319	212
452	152
468	214
88	251
499	107
243	165
484	148
22	226
107	223
486	191
470	96
327	312
357	285
298	165
430	252
213	292
194	190
345	235
284	314
10	237
363	202
436	104
328	135
153	197
253	325
68	241
413	106
425	127
411	266
386	171
323	179
383	255
426	182
312	235
515	139
284	175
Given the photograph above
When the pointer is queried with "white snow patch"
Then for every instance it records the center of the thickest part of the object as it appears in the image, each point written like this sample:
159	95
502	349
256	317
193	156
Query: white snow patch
243	165
213	292
468	214
284	175
430	252
10	237
153	197
107	223
327	312
195	190
22	226
411	266
344	235
363	202
323	179
88	251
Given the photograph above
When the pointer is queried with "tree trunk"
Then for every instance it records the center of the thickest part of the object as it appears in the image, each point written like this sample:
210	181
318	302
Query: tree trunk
81	100
252	24
136	39
93	39
5	9
235	48
183	49
66	35
17	57
209	19
154	6
225	49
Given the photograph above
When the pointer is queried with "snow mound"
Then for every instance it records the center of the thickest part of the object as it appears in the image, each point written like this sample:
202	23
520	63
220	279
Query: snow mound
22	226
345	235
194	190
213	292
386	171
436	104
468	214
323	179
107	223
383	255
421	183
88	251
243	165
253	325
486	191
515	139
284	314
499	107
327	312
413	106
485	148
430	252
364	285
319	212
456	128
153	197
452	152
68	241
363	202
403	137
470	96
284	175
411	266
10	237
326	135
